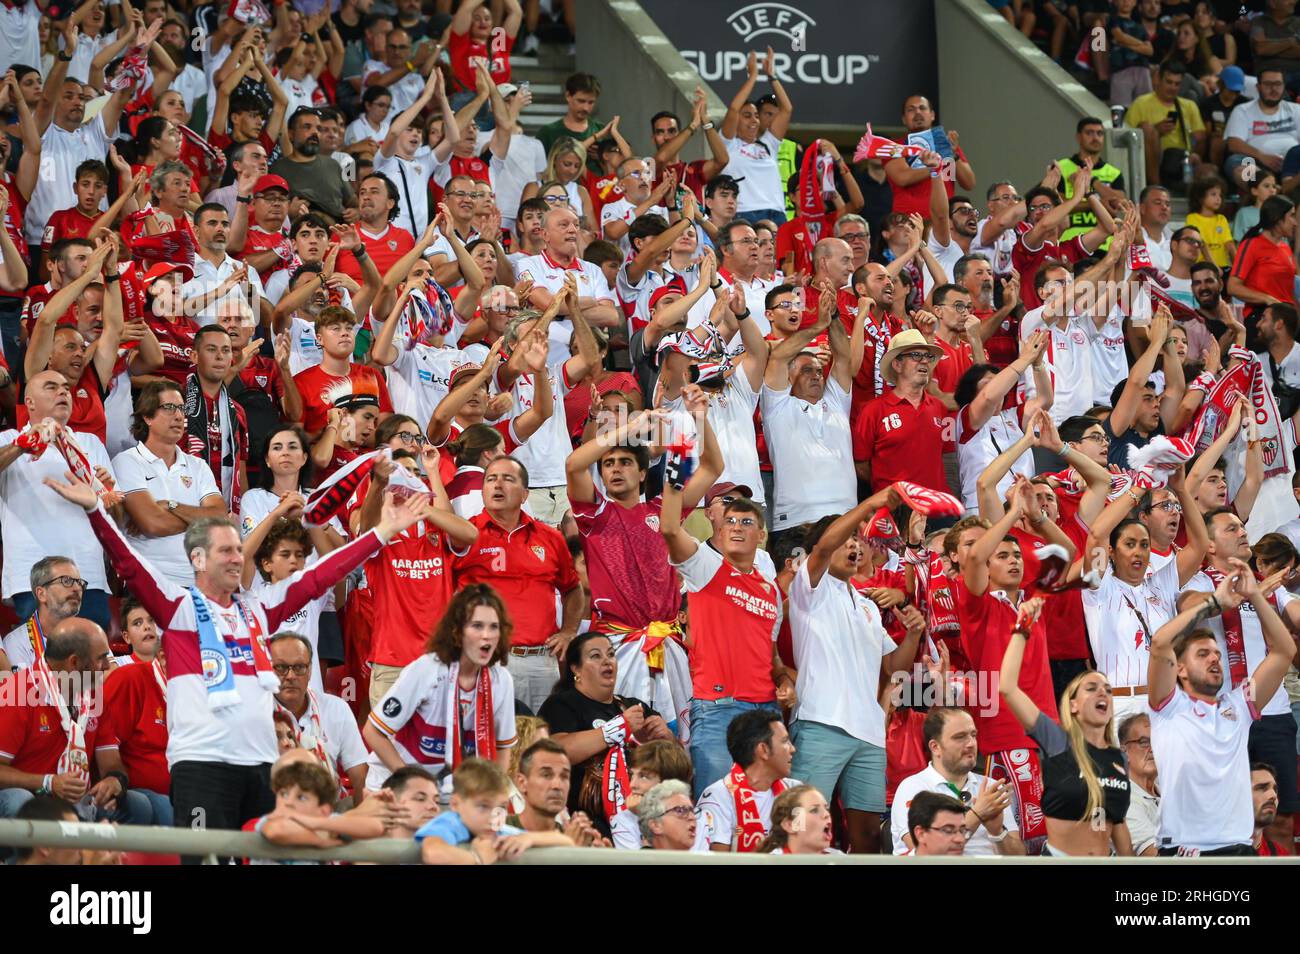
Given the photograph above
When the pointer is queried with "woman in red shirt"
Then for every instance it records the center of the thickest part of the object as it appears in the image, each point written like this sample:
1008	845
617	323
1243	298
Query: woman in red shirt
474	39
1264	270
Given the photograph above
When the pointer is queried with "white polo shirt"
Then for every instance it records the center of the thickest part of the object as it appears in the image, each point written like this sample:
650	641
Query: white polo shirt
1069	363
812	455
411	176
208	276
547	273
839	642
35	522
977	449
756	162
61	152
338	726
929	780
755	293
1122	620
716	813
188	481
1201	749
545	452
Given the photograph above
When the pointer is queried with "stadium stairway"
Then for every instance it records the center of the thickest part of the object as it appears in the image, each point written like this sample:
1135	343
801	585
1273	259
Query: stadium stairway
545	72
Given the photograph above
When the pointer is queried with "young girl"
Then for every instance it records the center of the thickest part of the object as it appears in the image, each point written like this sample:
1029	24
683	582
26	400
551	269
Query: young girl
1206	197
801	824
1262	189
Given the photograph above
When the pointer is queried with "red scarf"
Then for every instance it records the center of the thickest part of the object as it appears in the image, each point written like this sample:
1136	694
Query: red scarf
750	831
615	781
485	740
812	207
1232	634
74	759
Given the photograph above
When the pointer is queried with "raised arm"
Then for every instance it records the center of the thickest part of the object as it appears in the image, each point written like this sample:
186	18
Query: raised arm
975	571
1125	411
732	118
777	377
1162	667
1022	707
847	350
844	527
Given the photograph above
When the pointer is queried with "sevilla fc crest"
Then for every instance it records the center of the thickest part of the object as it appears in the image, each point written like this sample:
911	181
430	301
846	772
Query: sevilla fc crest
187	480
652	521
392	245
539	551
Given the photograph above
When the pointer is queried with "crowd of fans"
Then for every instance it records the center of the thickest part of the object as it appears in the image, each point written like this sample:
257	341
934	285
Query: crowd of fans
378	469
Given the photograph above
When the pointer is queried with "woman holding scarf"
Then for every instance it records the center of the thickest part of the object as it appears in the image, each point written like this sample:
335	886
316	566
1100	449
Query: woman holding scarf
456	701
585	698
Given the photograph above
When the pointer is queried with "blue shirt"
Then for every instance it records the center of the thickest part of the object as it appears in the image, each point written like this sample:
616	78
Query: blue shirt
452	830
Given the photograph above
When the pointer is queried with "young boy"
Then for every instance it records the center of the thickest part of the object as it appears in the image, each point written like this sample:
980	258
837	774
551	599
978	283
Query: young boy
415	800
91	185
474	832
304	805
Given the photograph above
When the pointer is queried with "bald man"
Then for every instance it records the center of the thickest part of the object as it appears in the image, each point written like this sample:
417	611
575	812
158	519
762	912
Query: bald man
37	754
35	522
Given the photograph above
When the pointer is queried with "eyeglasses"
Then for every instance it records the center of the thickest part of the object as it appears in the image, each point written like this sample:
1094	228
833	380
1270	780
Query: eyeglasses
1142	742
746	522
917	355
1097	436
461	194
68	581
681	811
1005	198
765	243
552	199
1042	207
637	174
854	236
783	306
961	307
298	669
1168	506
419	440
952	831
171	407
746	241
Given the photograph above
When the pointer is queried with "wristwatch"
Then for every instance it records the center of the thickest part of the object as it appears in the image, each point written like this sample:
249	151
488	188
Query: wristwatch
172	505
243	199
63	57
708	125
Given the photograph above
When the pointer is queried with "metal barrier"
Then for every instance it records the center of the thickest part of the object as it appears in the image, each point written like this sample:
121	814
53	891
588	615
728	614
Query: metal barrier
213	844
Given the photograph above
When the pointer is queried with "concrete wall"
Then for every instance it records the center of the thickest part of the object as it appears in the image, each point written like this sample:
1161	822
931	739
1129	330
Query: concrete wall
1014	108
640	72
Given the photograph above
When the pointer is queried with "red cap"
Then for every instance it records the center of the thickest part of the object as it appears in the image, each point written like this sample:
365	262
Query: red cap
166	268
674	287
269	181
725	488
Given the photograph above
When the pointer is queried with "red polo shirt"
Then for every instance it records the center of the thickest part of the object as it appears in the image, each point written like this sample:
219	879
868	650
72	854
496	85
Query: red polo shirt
31	735
528	566
385	249
134	700
902	441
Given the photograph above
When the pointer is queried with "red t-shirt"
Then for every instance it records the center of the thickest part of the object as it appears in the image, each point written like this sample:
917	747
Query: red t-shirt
14	223
689	174
410	585
34	303
986	623
1027	261
632	582
176	338
1065	624
384	248
67	223
135	702
527	566
260	240
466	53
955	362
320	389
902	441
1266	266
577	403
263	374
793	237
31	736
916	198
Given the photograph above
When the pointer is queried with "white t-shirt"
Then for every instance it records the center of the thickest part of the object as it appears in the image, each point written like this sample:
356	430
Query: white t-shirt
1122	619
929	780
20	42
411	176
811	448
545	452
1252	636
188	481
208	276
524	163
625	211
755	293
1272	133
549	274
1069	362
1201	749
976	450
35	522
731	415
1288	366
305	622
716	814
300	92
998	252
1143	818
359	130
1109	361
946	255
757	162
61	152
419	379
413	715
839	642
404	92
88	47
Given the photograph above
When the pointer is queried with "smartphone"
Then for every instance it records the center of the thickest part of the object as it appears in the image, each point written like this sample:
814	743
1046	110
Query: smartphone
1172	115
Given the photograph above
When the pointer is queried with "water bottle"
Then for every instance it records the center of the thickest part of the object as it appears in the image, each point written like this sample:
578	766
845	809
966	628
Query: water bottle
1187	170
1117	116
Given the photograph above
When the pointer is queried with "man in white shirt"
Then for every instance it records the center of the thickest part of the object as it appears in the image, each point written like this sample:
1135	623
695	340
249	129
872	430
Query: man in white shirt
20	41
1143	818
219	277
995	235
1154	210
1069	357
56	590
638	199
190	82
1260	133
1200	729
525	159
400	71
841	650
34	521
761	749
66	142
806	420
558	259
1277	329
951	739
166	489
738	243
407	161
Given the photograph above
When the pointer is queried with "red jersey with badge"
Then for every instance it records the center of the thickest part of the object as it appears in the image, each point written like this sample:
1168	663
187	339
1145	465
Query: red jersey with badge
689	174
528	566
384	248
902	440
410	584
263	374
31	735
137	707
176	338
632	582
260	240
319	390
467	53
66	224
34	303
14	224
1027	261
795	238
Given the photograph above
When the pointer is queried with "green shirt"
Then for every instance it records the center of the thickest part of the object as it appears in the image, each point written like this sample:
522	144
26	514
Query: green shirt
551	132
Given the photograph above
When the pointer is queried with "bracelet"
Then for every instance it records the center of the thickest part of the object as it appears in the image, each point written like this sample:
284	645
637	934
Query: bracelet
743	315
47	785
478	860
998	839
1065	449
112	277
63	57
1218	609
708	125
244	199
410	67
360	252
715	285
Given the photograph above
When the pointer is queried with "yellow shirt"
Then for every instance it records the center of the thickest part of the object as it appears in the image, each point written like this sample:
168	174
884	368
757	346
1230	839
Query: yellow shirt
1216	233
1148	109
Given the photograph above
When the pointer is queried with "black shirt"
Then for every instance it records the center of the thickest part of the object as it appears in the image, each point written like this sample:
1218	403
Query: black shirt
1120	443
1065	794
570	711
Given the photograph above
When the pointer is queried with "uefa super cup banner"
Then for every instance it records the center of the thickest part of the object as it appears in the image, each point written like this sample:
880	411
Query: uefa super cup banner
840	62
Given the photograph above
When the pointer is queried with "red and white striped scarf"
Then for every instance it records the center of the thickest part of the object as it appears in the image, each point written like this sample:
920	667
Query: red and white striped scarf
485	740
74	759
750	830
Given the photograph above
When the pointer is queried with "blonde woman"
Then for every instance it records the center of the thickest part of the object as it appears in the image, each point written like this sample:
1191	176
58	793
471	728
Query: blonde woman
801	824
1085	785
565	165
